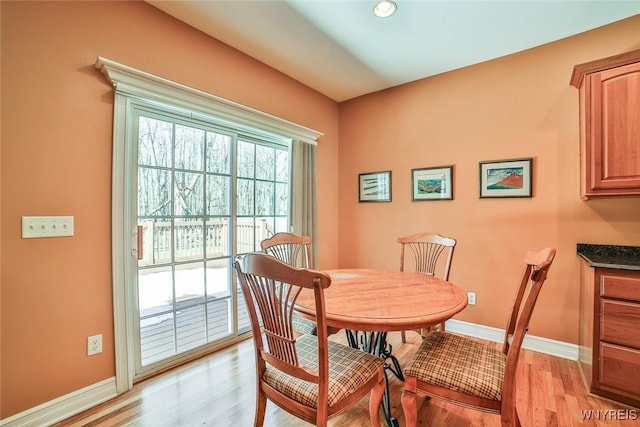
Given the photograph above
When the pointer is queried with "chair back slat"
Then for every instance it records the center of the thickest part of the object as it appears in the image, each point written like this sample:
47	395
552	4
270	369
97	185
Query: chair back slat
426	256
427	249
274	304
290	248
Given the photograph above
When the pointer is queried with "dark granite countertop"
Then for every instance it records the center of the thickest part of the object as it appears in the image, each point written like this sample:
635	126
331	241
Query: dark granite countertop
610	256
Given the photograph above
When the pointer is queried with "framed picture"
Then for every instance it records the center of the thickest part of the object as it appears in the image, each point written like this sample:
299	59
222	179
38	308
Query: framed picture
375	187
506	178
432	183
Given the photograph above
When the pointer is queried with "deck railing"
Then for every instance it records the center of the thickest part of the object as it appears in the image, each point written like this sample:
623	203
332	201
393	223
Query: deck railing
194	240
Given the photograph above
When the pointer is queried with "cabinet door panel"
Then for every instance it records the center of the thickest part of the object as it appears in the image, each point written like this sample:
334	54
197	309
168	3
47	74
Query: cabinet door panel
619	322
619	368
615	132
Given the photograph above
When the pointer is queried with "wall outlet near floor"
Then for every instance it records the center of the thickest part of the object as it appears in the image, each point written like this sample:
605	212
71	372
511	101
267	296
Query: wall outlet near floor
471	296
94	345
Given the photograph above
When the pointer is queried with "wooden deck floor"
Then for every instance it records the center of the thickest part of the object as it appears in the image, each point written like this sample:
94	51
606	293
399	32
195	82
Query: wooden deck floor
165	336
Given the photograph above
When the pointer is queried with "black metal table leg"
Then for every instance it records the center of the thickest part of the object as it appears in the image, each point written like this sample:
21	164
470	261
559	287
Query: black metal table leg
376	343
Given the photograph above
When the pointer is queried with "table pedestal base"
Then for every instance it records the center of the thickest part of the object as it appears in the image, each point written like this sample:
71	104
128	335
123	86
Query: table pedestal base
376	343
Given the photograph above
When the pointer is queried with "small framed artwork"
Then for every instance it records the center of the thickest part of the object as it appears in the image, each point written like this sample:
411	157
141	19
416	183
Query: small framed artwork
374	187
506	178
432	183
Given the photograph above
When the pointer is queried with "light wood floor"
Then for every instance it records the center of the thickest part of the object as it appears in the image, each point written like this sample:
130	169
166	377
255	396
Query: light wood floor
218	390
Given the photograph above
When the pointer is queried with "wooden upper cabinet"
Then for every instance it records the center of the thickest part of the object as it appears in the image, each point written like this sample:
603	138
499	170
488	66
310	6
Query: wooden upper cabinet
609	125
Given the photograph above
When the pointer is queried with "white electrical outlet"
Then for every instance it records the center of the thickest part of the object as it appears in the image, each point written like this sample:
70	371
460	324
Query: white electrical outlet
471	296
94	344
34	227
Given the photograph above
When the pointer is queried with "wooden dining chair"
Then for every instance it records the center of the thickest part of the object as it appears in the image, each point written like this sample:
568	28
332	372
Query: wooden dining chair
306	375
295	250
472	374
428	250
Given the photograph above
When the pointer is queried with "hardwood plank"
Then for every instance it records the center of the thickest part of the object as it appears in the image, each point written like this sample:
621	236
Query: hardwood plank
219	390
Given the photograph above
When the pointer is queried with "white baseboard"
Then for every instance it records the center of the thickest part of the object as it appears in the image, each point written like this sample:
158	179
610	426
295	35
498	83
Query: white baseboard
539	344
64	407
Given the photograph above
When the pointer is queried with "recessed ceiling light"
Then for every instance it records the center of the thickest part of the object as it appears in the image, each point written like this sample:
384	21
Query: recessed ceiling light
385	8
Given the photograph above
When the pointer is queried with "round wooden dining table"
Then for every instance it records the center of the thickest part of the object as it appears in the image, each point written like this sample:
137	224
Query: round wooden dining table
368	303
382	300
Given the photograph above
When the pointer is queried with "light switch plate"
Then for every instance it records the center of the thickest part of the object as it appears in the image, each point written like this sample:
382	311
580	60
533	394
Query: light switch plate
34	227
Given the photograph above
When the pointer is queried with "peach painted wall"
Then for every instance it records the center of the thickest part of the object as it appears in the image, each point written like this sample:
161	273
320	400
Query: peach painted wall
56	160
514	107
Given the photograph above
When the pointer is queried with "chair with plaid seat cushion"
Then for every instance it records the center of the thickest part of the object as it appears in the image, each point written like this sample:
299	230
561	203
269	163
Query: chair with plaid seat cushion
470	373
306	375
432	255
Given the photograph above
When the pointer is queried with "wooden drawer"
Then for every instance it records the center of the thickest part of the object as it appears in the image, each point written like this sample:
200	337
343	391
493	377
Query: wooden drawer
620	368
620	322
613	286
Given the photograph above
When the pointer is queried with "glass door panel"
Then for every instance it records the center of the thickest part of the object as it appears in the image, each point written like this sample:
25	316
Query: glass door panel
204	196
184	216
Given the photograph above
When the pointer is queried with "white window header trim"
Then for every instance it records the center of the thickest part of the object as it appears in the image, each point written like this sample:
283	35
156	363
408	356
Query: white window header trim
129	80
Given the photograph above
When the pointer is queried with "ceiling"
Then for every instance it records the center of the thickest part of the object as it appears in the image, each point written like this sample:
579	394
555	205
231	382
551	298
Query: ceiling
340	49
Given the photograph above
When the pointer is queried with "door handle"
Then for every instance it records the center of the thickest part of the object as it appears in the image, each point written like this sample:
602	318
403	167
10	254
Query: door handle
140	256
